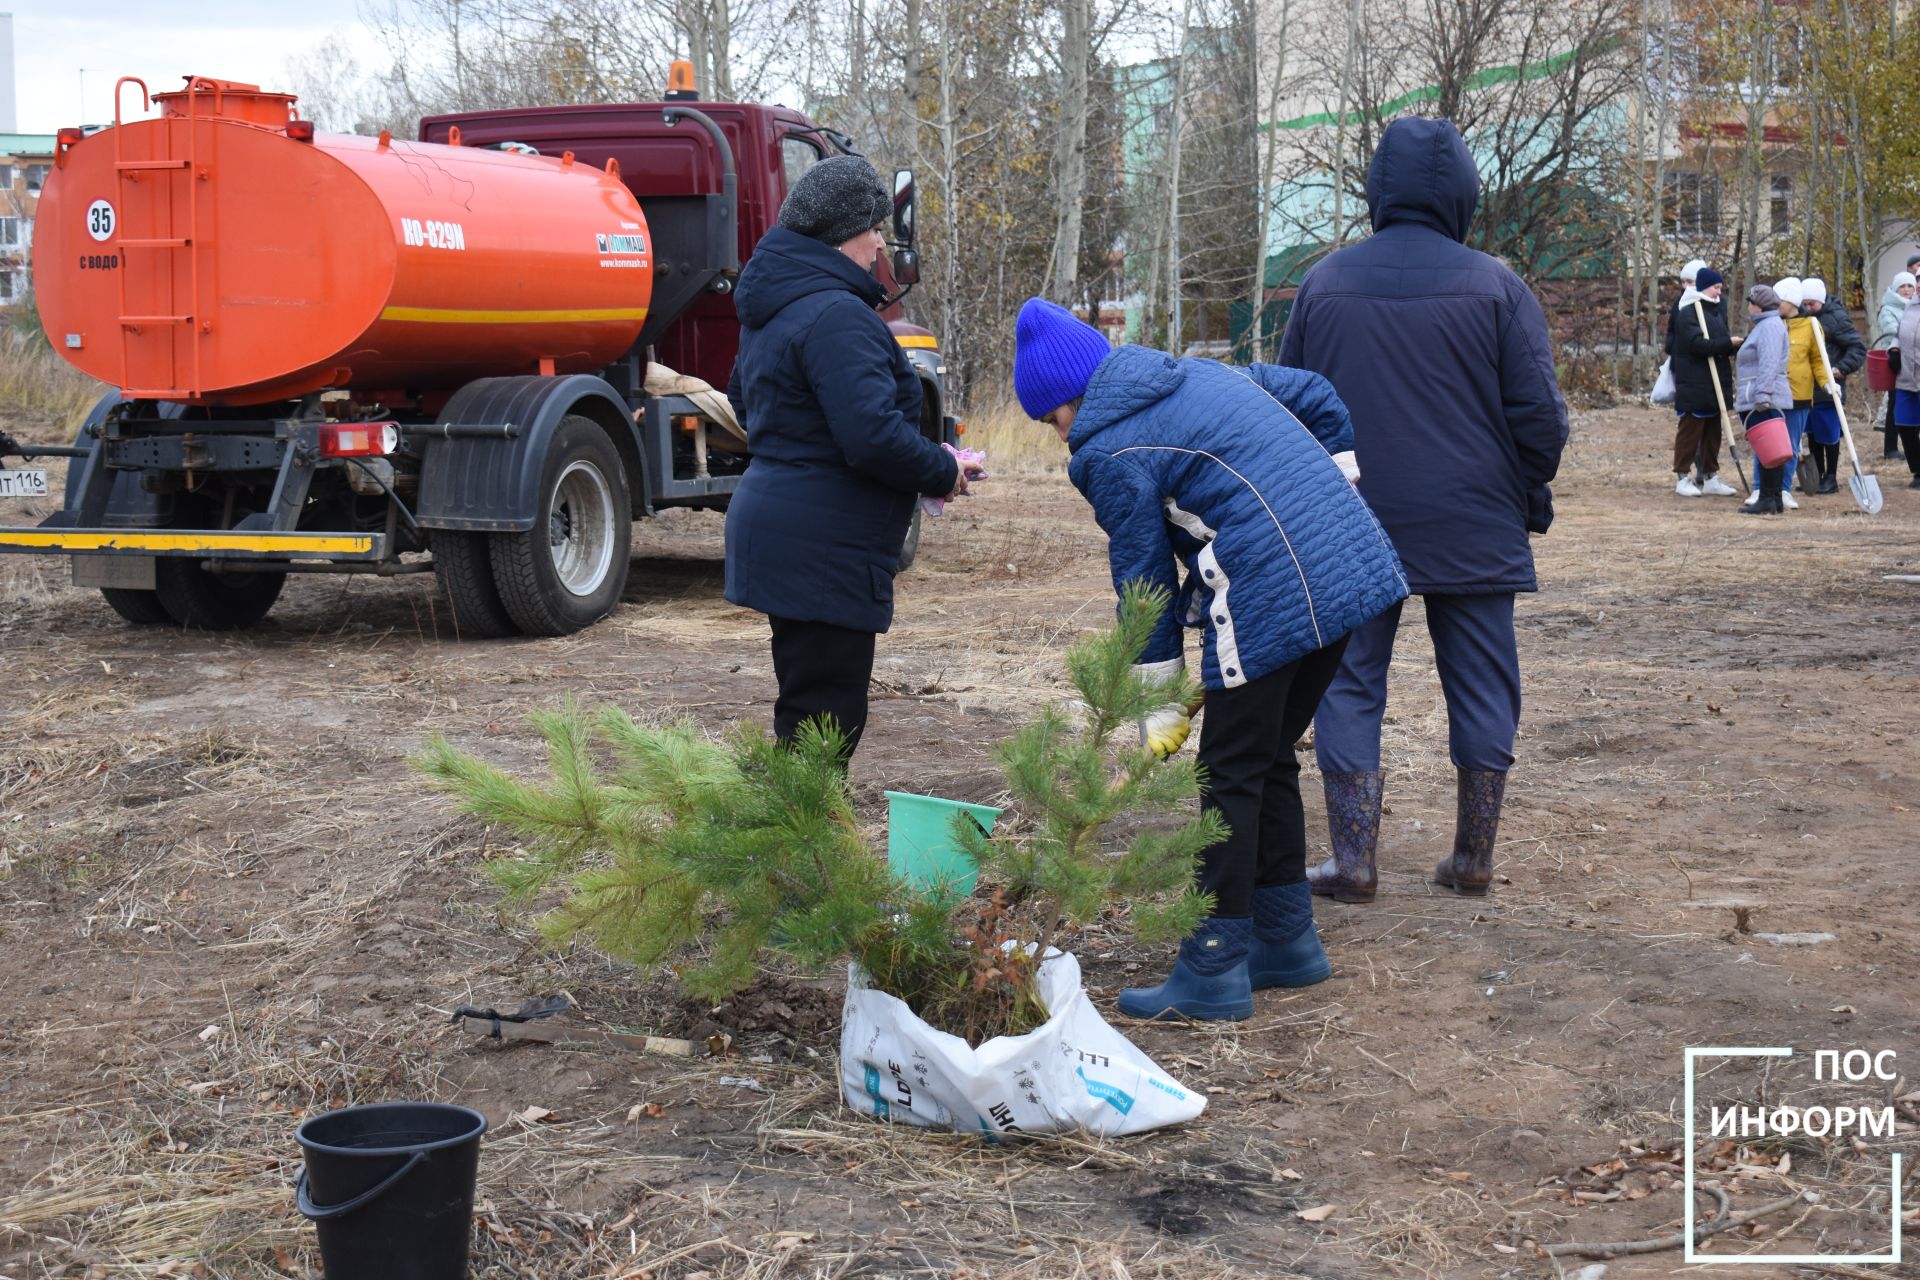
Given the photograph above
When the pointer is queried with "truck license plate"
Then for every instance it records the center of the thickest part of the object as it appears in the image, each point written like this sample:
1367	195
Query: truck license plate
23	484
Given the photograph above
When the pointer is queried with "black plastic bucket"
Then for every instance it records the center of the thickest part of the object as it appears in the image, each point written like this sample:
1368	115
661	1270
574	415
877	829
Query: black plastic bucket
389	1187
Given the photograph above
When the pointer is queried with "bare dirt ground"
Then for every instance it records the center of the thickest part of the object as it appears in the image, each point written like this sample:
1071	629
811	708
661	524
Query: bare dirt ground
226	902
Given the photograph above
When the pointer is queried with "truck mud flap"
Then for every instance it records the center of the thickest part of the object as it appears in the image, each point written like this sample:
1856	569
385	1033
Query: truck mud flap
207	544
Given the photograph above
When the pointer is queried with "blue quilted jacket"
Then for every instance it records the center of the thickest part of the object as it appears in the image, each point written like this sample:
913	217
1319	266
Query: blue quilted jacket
1194	463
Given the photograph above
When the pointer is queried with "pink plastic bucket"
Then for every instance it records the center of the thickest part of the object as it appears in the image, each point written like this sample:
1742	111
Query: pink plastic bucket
1768	437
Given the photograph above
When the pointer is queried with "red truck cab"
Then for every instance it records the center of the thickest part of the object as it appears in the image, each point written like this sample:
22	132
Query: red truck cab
679	158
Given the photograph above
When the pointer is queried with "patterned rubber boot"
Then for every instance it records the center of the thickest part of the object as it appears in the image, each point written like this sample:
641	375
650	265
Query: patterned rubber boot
1286	946
1209	980
1469	870
1353	823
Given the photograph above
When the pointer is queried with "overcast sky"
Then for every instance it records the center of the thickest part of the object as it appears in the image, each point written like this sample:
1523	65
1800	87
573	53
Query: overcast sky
159	41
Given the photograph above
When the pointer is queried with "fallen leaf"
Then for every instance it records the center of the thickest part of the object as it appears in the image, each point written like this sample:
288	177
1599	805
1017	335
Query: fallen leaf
912	1204
212	1030
1504	1248
1319	1213
1786	1163
283	1258
533	1115
1843	1008
1459	1175
1290	1175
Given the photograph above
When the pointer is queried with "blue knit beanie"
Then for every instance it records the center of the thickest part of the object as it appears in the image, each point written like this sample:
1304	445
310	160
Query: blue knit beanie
1054	356
1707	278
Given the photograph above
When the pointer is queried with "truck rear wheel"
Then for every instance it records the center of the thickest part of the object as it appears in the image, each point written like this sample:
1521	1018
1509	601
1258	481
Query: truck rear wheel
464	566
567	571
205	600
138	606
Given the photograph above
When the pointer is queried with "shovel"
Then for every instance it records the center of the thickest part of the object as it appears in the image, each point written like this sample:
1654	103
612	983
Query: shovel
1864	488
1726	419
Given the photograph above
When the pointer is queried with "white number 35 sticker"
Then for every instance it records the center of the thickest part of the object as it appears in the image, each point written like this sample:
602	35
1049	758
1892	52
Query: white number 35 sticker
100	220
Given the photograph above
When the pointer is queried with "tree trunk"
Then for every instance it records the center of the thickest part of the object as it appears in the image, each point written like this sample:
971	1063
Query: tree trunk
720	33
1070	150
1175	320
1256	328
1340	126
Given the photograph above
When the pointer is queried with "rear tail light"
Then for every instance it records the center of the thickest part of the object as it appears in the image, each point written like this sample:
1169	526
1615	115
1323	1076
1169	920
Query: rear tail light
359	439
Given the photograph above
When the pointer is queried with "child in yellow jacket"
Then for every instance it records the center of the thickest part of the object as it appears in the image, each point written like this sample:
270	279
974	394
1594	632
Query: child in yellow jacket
1806	369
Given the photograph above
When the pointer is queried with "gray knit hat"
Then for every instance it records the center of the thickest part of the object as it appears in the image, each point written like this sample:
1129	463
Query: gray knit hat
836	200
1763	296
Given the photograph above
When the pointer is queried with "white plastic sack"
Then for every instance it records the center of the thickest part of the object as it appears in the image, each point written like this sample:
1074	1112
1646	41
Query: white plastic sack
1663	388
1073	1073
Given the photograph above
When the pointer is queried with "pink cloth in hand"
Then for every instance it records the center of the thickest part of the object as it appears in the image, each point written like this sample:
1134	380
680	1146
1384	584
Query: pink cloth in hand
973	464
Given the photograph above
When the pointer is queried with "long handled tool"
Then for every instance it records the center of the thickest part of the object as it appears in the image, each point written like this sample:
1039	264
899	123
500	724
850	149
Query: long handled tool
1864	488
1720	398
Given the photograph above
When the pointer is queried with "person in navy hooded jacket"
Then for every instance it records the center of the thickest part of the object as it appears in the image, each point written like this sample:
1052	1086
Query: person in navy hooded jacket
1442	356
832	411
1190	462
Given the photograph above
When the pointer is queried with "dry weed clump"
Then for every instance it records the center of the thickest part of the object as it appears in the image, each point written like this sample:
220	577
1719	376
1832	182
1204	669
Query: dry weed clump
38	387
1014	443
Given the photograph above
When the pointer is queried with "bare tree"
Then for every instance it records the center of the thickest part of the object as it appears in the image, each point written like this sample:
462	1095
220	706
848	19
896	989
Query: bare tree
1070	149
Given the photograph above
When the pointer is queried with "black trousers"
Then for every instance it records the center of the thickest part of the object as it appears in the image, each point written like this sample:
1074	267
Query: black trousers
823	671
1253	778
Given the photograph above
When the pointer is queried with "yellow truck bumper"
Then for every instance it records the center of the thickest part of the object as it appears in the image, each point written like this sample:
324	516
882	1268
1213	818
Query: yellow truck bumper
205	543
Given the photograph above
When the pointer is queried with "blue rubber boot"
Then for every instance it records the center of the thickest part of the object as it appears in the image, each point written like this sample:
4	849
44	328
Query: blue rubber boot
1209	980
1286	947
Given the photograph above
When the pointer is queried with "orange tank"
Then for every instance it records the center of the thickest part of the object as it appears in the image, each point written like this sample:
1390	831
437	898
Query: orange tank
226	254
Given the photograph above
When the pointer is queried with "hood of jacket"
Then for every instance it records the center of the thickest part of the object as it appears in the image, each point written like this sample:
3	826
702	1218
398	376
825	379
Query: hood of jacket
787	266
1892	298
1127	381
1423	173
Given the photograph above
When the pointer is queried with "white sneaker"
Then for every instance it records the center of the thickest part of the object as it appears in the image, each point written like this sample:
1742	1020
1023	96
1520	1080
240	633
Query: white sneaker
1715	487
1686	488
1752	497
1786	500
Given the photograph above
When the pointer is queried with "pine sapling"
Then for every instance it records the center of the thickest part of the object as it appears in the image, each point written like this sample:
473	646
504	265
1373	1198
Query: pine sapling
657	844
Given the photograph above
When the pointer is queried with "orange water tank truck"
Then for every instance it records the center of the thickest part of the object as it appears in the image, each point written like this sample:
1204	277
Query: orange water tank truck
226	253
336	353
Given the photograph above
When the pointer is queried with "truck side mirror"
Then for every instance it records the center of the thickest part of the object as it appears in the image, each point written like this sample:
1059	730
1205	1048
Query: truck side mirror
906	267
903	206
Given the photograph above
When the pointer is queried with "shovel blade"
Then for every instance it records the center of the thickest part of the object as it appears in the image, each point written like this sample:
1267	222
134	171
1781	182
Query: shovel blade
1866	492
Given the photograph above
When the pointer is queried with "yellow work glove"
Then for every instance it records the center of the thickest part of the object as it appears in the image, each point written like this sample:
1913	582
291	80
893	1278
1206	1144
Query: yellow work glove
1164	731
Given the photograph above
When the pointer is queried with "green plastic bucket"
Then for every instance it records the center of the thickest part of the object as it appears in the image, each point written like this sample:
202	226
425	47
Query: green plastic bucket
920	843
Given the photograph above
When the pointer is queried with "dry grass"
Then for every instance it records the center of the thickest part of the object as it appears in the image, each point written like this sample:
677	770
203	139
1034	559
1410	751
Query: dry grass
37	386
1014	443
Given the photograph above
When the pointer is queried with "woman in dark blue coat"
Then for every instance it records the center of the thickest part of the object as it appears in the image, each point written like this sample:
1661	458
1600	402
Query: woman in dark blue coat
832	411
